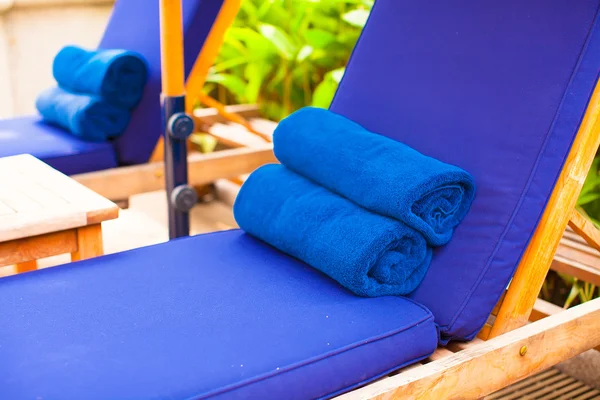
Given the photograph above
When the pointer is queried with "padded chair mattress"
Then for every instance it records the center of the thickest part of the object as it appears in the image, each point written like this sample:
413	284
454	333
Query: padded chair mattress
54	146
219	315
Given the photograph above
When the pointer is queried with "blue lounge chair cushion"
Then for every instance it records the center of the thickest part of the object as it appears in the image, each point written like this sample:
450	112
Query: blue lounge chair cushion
498	90
218	314
54	146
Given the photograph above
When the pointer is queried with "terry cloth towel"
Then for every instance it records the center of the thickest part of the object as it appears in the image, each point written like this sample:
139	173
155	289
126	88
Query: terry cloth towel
377	173
369	254
118	76
85	116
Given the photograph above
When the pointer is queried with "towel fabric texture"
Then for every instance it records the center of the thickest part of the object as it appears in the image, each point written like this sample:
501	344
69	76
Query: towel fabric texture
88	117
369	254
377	173
118	76
364	209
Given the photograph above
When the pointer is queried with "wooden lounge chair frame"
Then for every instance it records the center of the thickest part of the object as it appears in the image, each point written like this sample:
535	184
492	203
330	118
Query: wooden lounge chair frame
524	335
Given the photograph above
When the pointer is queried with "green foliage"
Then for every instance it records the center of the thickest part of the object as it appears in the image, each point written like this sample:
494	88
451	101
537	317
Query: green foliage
286	54
589	199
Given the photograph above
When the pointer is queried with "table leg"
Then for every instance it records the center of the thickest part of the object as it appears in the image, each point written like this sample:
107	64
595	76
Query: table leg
26	266
89	242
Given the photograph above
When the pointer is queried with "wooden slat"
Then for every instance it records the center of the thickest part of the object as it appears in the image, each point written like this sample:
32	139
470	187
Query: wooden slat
522	384
585	228
576	269
534	265
440	353
265	126
234	135
36	247
496	363
123	182
209	116
581	252
543	309
532	387
565	390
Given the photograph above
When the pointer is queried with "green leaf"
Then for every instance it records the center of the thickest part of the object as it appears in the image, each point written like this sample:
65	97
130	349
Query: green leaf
227	64
279	39
588	198
205	142
357	18
231	82
259	47
324	93
255	74
337	74
305	52
319	38
573	294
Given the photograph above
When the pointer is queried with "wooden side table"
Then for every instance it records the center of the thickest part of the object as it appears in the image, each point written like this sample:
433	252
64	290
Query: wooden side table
45	213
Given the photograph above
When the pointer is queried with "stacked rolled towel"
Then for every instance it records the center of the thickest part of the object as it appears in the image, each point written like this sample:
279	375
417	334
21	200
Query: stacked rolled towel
362	208
117	76
96	91
375	172
88	117
368	253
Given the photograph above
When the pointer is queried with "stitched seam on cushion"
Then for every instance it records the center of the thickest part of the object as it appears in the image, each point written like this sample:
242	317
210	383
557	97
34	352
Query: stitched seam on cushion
509	226
310	361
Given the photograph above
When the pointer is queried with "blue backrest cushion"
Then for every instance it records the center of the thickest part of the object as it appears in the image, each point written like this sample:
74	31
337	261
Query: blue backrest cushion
498	88
134	25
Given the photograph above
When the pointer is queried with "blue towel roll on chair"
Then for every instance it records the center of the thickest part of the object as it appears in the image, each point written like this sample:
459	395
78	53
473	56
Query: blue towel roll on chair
377	173
118	76
88	117
369	254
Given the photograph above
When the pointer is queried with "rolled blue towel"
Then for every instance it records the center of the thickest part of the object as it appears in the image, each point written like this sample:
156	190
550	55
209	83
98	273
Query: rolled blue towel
377	173
85	116
119	76
369	254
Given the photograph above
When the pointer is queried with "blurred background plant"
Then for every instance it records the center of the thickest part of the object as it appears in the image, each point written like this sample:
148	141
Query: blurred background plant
286	54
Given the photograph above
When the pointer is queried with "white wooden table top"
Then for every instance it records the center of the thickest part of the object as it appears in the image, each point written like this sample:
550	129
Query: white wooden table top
36	199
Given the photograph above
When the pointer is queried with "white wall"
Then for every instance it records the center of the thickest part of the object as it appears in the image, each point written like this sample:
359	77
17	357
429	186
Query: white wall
31	33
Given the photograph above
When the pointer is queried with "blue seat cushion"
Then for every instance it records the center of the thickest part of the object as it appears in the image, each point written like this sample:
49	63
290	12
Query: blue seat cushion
220	315
54	146
496	88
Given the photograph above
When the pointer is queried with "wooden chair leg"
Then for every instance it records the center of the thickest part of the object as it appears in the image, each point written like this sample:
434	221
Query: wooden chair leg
26	266
89	243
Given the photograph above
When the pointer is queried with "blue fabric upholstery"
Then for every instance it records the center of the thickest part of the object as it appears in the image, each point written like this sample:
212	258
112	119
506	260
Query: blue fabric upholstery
220	315
136	144
54	146
497	88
